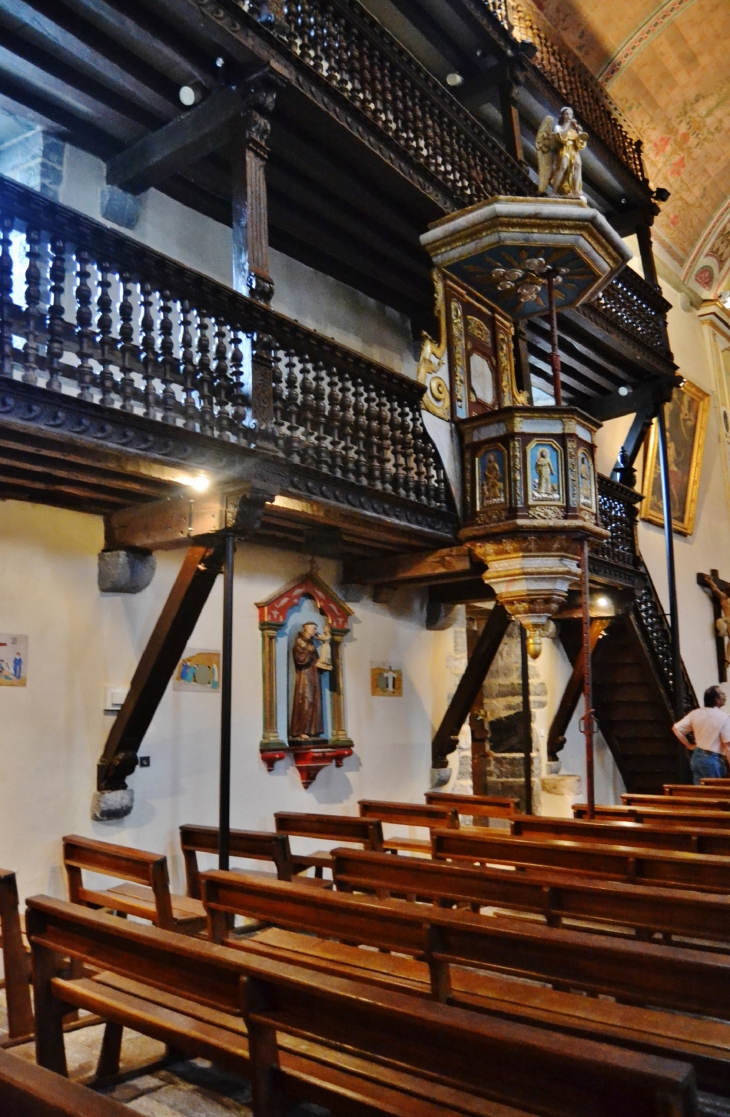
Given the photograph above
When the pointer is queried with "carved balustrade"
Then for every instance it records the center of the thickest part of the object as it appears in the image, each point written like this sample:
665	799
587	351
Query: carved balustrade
88	312
358	59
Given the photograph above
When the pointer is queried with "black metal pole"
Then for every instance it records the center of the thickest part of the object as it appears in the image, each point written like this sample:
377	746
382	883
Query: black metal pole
671	570
526	719
224	809
587	723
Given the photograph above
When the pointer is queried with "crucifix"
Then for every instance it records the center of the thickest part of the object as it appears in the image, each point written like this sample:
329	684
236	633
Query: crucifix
720	591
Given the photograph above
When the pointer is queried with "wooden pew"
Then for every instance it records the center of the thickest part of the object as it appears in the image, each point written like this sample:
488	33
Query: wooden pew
676	802
687	839
712	820
32	1091
445	947
476	806
254	845
557	897
16	960
715	781
720	790
416	1049
147	896
410	814
634	865
187	993
327	828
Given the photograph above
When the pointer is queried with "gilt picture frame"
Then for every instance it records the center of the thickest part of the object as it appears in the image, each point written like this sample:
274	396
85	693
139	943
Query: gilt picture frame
686	418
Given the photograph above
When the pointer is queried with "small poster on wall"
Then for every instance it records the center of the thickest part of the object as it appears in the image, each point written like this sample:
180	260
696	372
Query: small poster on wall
13	659
386	681
198	672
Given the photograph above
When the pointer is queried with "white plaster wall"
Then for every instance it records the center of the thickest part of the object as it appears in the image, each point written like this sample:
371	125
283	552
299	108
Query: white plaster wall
308	296
52	732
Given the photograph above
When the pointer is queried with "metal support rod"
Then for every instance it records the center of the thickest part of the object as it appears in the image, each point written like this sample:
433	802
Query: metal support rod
671	571
224	809
526	719
554	350
587	722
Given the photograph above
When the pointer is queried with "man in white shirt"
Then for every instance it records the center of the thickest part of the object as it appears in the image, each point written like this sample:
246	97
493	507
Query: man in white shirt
710	728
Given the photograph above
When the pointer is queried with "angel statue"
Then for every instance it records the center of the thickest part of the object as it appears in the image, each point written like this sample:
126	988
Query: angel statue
558	155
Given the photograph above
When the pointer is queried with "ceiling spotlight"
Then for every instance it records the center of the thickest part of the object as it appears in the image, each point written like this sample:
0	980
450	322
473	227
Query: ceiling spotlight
661	194
199	483
623	390
454	79
191	94
603	601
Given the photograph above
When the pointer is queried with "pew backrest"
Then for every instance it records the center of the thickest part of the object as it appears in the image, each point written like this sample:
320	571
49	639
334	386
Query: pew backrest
537	1071
635	865
477	806
686	839
135	865
16	960
555	896
700	791
659	816
36	1092
411	814
330	828
253	845
676	802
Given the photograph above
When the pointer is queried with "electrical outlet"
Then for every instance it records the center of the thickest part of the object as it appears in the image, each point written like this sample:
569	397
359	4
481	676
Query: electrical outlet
144	761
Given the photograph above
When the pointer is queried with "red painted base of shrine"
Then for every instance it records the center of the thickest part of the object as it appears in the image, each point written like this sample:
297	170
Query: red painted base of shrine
309	762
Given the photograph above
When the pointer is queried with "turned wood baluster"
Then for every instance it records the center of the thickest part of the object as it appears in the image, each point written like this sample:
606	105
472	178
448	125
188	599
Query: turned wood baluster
420	142
167	359
6	300
344	61
221	379
396	435
407	444
107	345
54	348
320	37
366	77
204	376
307	410
31	314
361	458
429	466
149	354
348	427
372	433
385	445
377	85
187	360
84	333
292	406
419	455
390	121
308	33
351	45
335	422
239	396
323	458
126	349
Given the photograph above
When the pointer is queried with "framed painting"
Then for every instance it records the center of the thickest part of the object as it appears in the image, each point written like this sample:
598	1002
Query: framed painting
686	418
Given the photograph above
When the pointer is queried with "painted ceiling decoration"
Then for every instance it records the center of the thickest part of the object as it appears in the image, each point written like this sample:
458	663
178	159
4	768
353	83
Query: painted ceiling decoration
668	69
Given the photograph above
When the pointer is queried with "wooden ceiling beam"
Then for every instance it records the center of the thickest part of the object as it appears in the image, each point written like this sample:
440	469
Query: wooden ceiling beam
426	568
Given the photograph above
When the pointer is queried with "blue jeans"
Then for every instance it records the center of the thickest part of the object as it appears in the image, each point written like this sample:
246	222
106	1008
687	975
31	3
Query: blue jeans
707	765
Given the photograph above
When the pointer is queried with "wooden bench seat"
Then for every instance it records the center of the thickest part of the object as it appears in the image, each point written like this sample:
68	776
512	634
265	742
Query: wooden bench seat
476	806
30	1091
645	911
677	802
658	816
503	1062
188	994
664	868
717	789
367	833
686	839
253	845
420	816
146	893
16	960
437	950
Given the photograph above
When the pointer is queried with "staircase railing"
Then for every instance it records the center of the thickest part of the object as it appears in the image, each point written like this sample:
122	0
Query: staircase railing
149	337
619	556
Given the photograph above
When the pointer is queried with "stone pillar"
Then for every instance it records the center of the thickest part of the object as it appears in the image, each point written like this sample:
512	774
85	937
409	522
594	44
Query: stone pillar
502	705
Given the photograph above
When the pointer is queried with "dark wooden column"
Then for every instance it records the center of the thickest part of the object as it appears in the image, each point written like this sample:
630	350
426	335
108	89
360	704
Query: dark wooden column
671	571
249	152
646	251
508	92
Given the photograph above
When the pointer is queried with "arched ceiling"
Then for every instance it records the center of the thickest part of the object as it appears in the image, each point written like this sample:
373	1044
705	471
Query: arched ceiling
666	63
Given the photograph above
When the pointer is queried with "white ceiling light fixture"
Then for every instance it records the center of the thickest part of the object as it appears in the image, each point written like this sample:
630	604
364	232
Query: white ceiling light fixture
454	80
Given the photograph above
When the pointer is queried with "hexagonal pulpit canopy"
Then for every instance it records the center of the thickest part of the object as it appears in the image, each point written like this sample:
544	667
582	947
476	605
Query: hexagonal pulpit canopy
505	248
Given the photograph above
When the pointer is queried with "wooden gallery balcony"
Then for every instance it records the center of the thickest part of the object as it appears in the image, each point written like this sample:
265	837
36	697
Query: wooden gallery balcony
124	374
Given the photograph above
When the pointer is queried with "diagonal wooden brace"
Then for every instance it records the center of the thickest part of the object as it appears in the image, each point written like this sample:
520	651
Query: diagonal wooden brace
470	683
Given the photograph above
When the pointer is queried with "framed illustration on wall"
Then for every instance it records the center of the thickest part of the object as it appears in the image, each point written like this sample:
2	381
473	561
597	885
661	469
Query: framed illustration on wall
686	418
